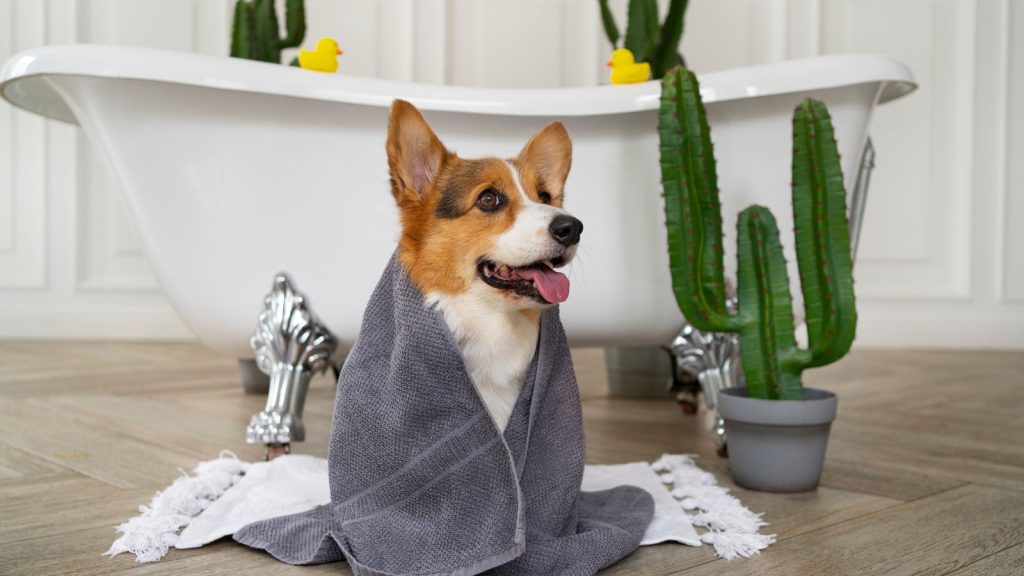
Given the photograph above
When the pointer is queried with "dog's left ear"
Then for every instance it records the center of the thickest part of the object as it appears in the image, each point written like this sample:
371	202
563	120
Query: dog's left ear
550	153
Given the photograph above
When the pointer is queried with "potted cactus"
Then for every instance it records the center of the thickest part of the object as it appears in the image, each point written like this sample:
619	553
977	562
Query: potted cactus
255	32
777	429
648	40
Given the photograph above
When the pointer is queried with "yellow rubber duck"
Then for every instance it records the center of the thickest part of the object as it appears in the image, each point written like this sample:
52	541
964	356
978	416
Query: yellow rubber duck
625	70
324	58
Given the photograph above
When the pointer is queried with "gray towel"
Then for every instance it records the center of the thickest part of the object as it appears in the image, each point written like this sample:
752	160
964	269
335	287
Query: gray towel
423	483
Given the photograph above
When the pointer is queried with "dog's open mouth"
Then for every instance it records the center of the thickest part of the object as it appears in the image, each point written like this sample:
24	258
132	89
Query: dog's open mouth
538	280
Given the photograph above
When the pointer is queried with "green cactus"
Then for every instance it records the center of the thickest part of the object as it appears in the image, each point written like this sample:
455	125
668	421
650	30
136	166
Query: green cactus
255	34
772	361
645	38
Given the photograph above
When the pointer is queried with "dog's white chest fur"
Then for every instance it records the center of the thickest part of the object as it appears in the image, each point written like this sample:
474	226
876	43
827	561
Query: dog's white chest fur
498	345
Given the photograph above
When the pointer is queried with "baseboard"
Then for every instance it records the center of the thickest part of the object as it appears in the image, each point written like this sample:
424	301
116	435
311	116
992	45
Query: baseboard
885	326
149	323
937	327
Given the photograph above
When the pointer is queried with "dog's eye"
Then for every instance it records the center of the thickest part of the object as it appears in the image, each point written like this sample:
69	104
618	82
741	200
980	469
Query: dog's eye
489	200
544	197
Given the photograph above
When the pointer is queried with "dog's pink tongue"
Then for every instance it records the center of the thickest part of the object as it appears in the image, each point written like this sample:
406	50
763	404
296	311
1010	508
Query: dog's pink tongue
553	286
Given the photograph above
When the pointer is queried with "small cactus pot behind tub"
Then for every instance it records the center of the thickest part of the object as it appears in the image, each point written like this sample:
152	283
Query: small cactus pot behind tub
777	445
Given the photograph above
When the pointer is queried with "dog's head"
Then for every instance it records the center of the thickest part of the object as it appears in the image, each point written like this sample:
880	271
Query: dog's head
488	226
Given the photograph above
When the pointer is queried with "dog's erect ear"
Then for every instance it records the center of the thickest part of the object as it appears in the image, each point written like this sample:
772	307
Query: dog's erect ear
415	154
550	153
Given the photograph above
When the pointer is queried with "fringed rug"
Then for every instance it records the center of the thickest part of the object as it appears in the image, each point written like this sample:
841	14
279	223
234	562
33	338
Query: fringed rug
224	494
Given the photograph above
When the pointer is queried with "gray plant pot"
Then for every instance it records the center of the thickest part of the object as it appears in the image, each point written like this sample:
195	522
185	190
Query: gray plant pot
777	445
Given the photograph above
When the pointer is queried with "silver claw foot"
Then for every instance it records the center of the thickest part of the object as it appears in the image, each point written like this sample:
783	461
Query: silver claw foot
713	359
291	345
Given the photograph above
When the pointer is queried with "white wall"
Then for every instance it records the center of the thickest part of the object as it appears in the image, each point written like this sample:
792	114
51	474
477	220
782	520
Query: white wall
941	260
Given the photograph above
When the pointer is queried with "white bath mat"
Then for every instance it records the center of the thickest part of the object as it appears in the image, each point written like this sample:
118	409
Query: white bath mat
670	523
225	494
286	485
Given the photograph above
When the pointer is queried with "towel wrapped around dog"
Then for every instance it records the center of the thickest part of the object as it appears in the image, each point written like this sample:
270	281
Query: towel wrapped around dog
422	481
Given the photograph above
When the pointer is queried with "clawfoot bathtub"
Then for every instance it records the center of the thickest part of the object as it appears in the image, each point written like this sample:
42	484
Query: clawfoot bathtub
234	170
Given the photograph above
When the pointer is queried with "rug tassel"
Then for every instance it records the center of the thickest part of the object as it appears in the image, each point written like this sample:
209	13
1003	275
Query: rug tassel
156	529
730	526
731	545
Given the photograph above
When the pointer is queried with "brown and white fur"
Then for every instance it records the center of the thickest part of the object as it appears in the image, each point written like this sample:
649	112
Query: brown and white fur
480	238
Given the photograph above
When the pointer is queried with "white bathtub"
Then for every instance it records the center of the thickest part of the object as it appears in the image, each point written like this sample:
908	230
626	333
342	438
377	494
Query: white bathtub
234	170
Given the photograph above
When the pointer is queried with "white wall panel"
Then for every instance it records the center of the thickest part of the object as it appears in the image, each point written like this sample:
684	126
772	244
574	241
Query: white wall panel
505	27
150	23
924	144
90	279
429	41
6	137
521	43
1012	244
22	162
982	318
210	19
942	254
395	28
108	256
722	34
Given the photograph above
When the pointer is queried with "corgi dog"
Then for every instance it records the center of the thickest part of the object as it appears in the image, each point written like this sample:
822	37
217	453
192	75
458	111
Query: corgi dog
482	239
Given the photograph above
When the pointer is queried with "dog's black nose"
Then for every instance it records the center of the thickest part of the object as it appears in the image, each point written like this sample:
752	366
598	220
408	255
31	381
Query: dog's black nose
566	230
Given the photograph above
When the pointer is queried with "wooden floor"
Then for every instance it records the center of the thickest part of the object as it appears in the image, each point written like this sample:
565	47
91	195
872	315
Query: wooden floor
925	470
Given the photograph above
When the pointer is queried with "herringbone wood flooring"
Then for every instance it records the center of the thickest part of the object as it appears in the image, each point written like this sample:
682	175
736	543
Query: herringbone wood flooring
924	474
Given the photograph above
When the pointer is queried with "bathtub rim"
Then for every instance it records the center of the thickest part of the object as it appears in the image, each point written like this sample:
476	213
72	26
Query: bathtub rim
23	82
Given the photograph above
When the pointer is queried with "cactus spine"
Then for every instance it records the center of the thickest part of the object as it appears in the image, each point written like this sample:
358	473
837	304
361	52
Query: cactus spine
255	34
772	361
648	40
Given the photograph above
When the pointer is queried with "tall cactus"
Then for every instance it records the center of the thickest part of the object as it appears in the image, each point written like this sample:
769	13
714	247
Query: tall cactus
772	361
649	41
255	34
